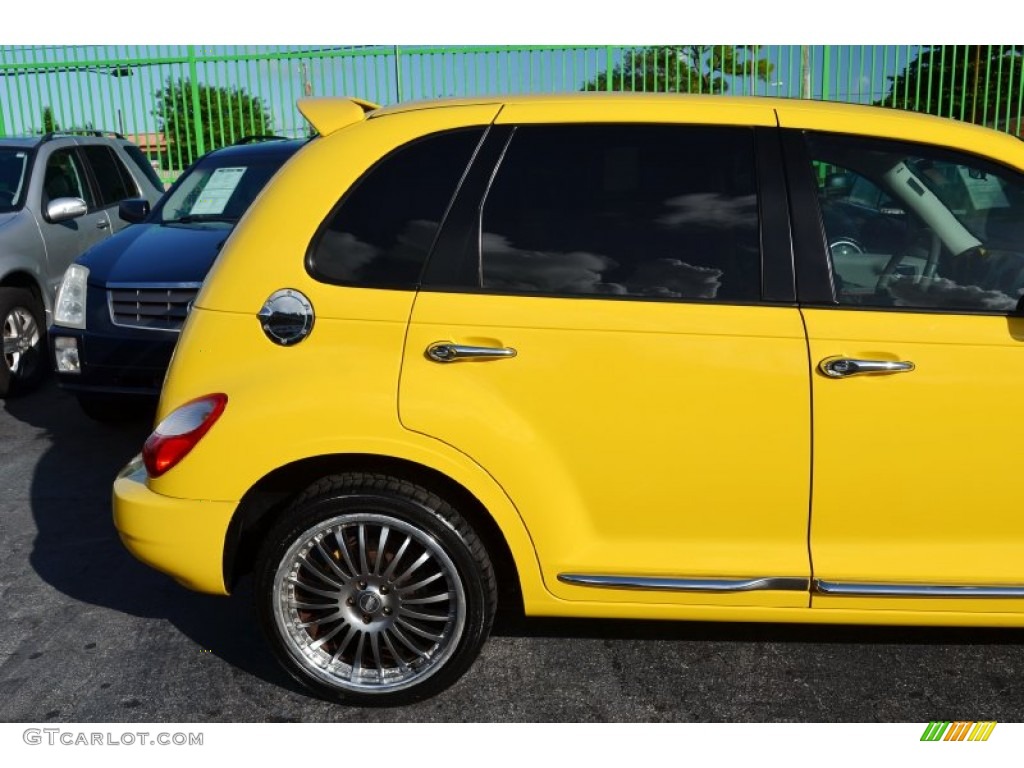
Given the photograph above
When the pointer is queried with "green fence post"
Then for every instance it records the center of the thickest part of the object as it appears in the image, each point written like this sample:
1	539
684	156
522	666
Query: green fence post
398	77
197	119
826	59
608	68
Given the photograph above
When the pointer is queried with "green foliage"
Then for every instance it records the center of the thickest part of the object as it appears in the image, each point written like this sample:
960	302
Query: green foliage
225	115
684	69
976	83
49	121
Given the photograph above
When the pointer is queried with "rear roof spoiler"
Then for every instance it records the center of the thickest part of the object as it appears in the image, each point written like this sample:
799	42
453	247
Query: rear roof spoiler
328	115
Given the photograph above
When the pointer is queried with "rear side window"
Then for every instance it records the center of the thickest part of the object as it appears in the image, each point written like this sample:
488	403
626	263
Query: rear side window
114	181
142	164
380	233
642	211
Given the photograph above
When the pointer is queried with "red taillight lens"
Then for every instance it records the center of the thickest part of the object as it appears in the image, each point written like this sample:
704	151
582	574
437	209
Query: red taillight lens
178	434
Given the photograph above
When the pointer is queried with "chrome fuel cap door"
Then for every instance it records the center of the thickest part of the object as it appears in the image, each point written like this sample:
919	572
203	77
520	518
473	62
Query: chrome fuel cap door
286	317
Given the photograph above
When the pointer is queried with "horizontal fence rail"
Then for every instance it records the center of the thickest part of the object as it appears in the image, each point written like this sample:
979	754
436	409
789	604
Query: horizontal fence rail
177	102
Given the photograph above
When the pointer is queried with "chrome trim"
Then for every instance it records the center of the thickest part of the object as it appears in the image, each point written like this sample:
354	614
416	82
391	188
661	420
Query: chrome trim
447	352
839	367
110	288
156	286
286	317
782	583
848	589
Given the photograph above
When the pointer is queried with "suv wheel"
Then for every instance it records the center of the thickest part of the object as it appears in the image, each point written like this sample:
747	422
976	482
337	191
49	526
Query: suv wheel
24	355
372	590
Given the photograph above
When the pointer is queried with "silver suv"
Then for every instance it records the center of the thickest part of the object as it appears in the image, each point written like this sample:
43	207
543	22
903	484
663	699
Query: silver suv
59	195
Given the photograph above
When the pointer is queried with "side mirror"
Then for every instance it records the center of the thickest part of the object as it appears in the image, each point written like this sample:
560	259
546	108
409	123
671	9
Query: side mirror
133	210
64	208
838	184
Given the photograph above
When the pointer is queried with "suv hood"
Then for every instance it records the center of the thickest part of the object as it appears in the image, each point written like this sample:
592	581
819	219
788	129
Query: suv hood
156	253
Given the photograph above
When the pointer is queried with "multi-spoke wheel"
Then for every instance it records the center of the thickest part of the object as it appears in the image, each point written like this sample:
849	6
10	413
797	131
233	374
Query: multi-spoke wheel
24	340
374	591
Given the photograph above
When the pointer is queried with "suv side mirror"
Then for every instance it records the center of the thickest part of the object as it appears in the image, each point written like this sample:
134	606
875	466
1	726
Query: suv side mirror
133	210
64	208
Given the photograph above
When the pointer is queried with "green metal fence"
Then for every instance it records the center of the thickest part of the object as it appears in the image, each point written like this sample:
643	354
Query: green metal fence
179	101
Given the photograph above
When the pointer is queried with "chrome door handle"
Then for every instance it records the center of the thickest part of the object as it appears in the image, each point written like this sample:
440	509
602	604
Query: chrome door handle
447	352
841	367
102	224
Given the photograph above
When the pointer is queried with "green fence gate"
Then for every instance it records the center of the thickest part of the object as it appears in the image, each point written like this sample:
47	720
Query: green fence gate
177	102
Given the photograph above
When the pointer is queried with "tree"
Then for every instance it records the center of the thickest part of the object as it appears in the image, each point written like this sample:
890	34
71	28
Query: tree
977	83
49	121
225	116
684	68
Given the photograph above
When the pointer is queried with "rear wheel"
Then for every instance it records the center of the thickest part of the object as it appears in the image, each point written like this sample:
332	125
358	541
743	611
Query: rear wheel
24	337
373	590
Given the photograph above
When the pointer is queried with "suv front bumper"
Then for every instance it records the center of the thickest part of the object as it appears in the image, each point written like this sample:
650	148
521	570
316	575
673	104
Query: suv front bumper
125	362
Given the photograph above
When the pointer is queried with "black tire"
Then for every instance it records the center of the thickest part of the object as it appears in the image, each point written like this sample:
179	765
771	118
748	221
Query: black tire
363	628
116	409
24	362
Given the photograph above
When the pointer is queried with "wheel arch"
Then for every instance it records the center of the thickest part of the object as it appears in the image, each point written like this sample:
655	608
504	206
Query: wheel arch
266	502
22	278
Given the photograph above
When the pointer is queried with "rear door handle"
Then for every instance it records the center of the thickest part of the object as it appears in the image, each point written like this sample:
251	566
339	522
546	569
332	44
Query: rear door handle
842	367
447	352
102	224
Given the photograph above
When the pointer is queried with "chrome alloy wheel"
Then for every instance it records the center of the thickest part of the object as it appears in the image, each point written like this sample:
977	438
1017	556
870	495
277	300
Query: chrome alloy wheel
21	335
368	603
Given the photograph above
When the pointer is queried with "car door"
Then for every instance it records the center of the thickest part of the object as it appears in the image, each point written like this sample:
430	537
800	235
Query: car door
592	331
112	180
65	175
918	353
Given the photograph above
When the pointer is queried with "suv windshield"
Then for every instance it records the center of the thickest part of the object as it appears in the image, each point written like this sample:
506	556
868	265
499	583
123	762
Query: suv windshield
218	189
13	177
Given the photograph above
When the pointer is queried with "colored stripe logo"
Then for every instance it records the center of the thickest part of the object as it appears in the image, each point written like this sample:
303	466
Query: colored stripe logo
958	731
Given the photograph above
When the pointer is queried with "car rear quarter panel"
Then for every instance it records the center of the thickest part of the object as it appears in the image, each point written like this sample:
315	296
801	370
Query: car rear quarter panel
267	250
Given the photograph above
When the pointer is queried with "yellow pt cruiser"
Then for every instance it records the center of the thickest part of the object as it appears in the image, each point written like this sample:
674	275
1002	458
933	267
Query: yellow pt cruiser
617	356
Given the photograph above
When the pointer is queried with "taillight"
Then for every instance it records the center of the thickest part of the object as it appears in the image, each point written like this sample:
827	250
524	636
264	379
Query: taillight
178	434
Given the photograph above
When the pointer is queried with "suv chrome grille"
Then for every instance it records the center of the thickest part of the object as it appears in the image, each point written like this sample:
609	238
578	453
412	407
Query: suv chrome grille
155	306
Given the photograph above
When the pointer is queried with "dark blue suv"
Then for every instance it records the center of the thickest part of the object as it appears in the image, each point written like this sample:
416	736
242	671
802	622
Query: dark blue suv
122	304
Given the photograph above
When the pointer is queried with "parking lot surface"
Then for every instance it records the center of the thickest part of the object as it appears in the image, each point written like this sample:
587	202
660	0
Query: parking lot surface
91	635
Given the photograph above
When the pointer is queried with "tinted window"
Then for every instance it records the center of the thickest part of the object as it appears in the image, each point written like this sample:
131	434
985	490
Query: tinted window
381	232
944	231
630	210
13	177
65	177
115	183
143	164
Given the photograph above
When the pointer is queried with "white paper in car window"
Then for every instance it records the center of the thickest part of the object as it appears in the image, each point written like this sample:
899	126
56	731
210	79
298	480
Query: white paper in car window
985	191
215	195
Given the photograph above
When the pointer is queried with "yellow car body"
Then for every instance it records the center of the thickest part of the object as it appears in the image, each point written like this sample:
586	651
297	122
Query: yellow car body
670	459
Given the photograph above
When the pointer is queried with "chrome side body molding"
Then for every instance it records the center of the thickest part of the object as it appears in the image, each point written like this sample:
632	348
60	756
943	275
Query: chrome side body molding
783	583
791	584
853	589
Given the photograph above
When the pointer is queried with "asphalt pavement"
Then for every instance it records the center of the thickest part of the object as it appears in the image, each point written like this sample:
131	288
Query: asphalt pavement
91	635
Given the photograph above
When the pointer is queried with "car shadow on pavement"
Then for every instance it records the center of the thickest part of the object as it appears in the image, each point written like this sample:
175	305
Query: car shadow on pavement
78	552
748	632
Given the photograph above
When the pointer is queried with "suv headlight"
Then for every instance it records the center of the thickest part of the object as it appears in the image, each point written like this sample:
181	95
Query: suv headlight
70	308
